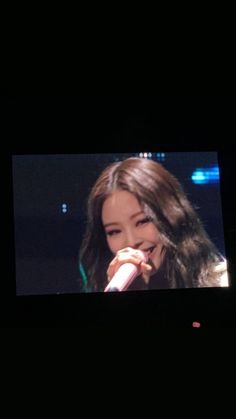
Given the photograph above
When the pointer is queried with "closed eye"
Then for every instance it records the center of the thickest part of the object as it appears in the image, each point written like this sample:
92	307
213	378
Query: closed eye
144	221
112	232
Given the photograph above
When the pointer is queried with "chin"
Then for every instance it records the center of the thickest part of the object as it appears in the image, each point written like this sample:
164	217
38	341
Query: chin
154	266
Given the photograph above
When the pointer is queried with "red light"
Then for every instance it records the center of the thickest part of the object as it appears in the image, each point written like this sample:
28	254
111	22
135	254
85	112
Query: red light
196	324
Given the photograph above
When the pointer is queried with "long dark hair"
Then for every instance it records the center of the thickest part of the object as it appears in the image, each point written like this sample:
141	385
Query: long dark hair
190	256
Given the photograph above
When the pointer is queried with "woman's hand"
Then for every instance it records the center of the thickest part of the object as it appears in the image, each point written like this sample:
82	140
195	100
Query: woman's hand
128	255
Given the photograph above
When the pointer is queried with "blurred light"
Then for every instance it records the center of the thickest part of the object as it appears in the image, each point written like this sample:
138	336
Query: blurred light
160	156
145	155
196	324
64	208
202	176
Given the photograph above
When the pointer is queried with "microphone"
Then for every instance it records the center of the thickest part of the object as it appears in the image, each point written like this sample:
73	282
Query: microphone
124	276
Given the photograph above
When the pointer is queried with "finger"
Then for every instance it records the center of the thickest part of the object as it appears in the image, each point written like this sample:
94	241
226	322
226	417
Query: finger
132	257
145	267
127	255
130	252
110	273
118	261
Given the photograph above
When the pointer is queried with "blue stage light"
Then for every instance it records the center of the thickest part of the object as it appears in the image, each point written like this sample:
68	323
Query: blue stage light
202	176
160	156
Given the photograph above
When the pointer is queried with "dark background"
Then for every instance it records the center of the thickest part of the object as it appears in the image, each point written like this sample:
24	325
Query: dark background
70	124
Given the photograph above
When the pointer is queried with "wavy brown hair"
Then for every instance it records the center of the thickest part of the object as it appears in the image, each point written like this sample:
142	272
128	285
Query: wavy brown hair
190	256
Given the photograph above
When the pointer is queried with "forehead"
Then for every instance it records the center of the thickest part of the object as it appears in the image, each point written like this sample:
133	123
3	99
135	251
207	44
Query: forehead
120	204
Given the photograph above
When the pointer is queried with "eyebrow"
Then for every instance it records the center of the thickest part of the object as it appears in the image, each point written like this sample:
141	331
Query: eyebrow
132	216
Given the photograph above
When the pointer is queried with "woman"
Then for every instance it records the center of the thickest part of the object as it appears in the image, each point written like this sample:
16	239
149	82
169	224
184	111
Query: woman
136	205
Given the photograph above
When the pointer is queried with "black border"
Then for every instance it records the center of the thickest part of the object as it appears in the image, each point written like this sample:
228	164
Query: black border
76	124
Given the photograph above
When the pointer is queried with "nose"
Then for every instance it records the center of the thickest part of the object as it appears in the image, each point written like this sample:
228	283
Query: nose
132	241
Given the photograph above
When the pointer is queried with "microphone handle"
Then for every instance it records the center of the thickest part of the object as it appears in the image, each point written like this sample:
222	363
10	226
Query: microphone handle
123	278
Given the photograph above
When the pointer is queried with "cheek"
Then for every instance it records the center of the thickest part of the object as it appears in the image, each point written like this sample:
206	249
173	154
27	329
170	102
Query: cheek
158	257
113	244
151	233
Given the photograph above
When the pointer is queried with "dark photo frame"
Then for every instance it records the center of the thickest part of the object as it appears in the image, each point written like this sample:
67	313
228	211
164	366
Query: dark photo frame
78	125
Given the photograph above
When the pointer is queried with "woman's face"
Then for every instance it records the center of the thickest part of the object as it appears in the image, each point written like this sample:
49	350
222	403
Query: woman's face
126	225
